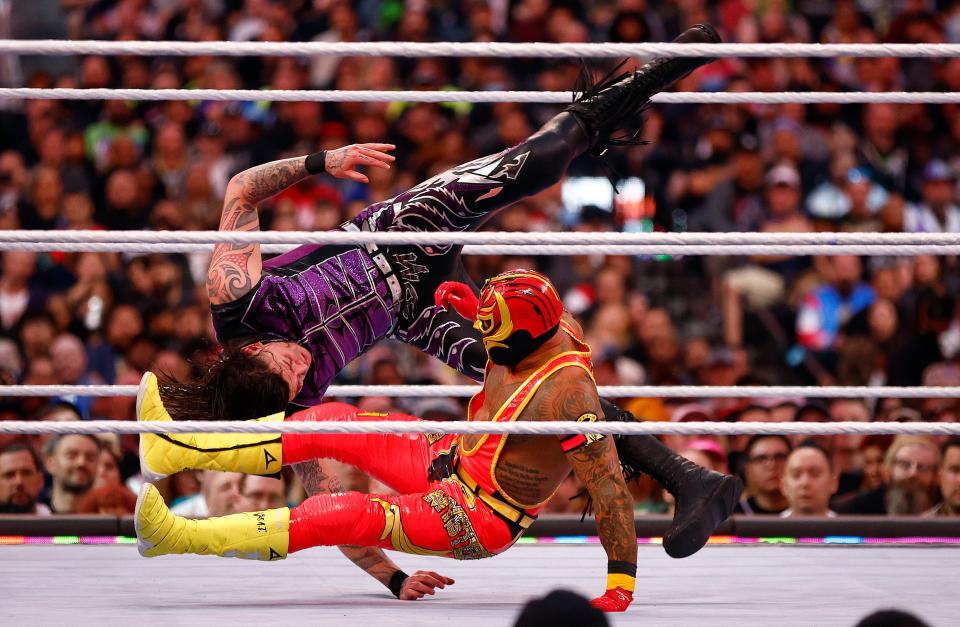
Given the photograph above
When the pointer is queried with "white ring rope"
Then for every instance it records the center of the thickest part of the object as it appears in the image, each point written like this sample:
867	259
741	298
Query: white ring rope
527	250
469	49
492	243
610	391
524	427
555	97
439	238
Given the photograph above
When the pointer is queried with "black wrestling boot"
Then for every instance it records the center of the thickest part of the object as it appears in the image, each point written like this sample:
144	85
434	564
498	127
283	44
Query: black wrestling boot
616	102
704	498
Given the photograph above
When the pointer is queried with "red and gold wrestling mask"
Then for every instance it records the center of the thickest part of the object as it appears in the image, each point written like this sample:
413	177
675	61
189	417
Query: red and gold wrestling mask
517	312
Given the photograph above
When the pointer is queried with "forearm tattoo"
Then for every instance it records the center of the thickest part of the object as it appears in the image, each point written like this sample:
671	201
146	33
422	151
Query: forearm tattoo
263	181
597	466
567	396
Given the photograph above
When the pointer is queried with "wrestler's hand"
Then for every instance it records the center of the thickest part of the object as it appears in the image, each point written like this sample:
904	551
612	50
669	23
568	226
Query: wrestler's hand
613	600
421	583
459	296
343	162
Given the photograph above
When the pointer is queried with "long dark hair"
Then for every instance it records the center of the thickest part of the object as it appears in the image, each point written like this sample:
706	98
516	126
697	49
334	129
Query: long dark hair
235	386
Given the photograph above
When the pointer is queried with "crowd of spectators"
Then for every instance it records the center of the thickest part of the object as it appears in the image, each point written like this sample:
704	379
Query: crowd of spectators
106	318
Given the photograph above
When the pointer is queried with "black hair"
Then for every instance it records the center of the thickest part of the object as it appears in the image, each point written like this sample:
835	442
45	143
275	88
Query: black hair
53	443
16	447
953	442
60	405
811	444
762	436
891	618
560	607
235	386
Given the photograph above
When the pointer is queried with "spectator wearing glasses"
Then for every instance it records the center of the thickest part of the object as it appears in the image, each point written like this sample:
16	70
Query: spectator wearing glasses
766	457
910	472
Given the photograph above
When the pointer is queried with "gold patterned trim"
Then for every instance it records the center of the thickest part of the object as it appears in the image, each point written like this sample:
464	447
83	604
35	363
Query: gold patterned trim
464	543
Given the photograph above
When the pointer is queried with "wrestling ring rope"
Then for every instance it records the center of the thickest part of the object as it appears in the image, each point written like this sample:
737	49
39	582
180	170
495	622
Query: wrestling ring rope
468	49
889	244
555	97
612	391
520	427
750	581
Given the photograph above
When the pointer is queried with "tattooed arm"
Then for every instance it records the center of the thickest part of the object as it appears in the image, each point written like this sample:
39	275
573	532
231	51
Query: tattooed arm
573	396
235	269
597	466
371	559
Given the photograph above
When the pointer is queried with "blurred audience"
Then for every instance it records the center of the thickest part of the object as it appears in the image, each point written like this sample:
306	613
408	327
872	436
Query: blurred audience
219	495
909	480
70	318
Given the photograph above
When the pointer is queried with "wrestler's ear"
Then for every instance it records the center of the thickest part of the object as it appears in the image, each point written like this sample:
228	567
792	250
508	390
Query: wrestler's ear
252	349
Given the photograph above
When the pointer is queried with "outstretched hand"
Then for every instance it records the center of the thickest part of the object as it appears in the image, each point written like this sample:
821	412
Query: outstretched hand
421	583
343	162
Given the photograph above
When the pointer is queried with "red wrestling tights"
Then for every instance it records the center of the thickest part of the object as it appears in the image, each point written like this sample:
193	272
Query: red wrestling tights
400	460
335	519
439	521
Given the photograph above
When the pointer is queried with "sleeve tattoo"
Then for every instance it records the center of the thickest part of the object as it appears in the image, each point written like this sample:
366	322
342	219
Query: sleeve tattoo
235	268
569	396
597	466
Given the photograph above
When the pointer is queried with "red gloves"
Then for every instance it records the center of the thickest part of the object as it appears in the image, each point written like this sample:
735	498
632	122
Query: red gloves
459	296
613	600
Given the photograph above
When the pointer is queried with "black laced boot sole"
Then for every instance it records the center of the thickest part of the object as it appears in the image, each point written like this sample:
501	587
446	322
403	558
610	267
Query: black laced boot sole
699	514
617	101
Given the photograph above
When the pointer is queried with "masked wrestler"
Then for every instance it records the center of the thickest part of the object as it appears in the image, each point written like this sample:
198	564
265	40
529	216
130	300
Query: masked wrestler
290	324
465	497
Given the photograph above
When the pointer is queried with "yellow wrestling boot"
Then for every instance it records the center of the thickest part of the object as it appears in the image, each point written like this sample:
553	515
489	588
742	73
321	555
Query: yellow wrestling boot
165	454
260	536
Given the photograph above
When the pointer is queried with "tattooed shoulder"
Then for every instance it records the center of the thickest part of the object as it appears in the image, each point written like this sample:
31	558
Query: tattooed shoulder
566	395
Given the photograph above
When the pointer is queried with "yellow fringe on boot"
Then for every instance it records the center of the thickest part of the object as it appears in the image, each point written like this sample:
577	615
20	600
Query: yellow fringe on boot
162	455
260	536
